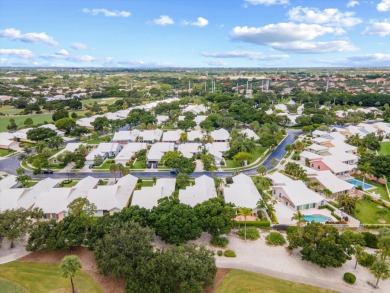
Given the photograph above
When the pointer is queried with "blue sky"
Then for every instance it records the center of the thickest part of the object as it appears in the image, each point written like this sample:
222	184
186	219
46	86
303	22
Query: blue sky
195	33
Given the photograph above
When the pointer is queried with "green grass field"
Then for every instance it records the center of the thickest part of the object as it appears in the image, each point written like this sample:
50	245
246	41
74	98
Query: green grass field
37	119
385	148
9	110
99	139
367	212
42	278
380	188
4	153
256	153
237	281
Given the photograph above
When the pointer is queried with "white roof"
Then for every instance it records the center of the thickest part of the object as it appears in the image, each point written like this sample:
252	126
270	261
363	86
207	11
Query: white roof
383	126
220	134
147	197
316	147
341	155
6	135
161	119
8	182
189	149
158	150
242	192
130	150
9	198
332	182
29	196
54	200
196	109
194	134
86	121
336	166
113	196
172	135
82	187
102	149
7	142
309	155
250	133
151	135
218	146
202	190
296	190
200	118
126	135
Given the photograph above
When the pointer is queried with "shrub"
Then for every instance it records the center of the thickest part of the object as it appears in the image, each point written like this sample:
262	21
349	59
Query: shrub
219	252
258	224
229	180
370	239
229	253
349	278
366	259
219	241
291	229
275	239
251	233
280	227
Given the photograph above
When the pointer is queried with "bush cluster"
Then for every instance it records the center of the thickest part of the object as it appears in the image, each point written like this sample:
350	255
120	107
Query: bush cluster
366	259
258	224
349	278
229	253
251	233
219	252
371	240
275	239
219	241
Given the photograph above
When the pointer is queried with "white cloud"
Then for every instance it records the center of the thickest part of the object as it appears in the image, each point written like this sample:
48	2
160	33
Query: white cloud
378	59
14	34
383	6
331	16
267	2
22	53
252	55
62	52
352	3
79	46
67	57
216	63
106	12
281	33
381	29
163	20
200	22
315	47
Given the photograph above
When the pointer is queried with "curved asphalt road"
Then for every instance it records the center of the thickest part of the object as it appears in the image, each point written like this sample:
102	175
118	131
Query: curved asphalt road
10	165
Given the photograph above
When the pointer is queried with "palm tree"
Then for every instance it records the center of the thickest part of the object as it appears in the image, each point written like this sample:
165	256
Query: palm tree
358	253
326	192
381	270
365	169
245	212
69	266
298	216
56	141
113	170
261	170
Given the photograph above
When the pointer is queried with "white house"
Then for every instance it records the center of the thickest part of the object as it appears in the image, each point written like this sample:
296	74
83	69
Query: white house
194	135
150	136
189	149
249	133
105	150
242	192
158	150
110	199
147	197
294	193
220	135
217	149
126	136
161	119
172	136
128	151
8	182
196	109
202	190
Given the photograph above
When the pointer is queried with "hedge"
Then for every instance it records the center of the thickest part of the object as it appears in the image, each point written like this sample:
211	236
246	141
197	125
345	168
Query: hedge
229	253
219	241
366	259
251	233
219	252
258	224
349	278
275	239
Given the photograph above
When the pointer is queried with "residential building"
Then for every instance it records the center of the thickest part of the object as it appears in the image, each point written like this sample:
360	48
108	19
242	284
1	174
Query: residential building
249	133
202	190
105	150
128	151
220	135
158	150
147	197
172	136
190	149
126	136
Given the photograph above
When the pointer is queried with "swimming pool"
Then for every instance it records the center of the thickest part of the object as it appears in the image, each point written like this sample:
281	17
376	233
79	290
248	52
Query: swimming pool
359	183
316	218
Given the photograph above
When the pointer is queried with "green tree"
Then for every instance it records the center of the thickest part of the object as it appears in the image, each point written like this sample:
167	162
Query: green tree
365	169
40	133
69	266
216	216
28	122
245	212
59	114
65	124
347	202
12	126
262	170
23	180
242	157
98	160
55	142
114	168
39	232
14	224
298	216
182	181
381	270
175	222
321	244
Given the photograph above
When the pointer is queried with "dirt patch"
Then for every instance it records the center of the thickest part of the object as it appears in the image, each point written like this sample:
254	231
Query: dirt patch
382	221
221	273
109	284
379	207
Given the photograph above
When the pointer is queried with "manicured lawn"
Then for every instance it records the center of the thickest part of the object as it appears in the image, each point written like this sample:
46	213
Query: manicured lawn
4	153
8	286
256	153
9	110
138	165
106	164
237	281
367	212
380	188
71	184
39	277
99	139
385	148
146	183
31	184
231	164
37	119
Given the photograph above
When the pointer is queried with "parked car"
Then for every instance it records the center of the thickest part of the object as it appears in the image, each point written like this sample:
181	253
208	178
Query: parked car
91	166
47	172
149	165
174	171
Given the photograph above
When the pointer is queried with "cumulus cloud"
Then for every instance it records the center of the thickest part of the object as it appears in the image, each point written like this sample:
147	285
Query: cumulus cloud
21	53
381	29
267	2
216	63
252	55
106	12
330	16
62	52
79	46
378	59
163	20
315	47
281	33
200	22
383	6
14	34
352	3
